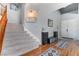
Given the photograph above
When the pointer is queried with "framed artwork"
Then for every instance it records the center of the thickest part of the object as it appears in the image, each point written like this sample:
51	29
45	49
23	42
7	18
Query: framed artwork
50	23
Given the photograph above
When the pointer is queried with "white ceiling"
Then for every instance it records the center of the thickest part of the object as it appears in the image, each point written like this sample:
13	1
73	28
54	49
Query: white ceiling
48	7
72	7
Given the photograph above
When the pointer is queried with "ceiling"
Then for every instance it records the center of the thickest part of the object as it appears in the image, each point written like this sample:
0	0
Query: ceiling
71	8
46	7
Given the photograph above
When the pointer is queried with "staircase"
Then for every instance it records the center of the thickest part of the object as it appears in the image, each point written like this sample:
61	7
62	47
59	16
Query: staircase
17	41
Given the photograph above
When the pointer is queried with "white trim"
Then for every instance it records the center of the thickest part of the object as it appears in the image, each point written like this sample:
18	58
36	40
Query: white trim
32	35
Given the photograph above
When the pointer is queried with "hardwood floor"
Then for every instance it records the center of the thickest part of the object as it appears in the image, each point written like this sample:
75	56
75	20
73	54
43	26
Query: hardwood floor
71	50
37	51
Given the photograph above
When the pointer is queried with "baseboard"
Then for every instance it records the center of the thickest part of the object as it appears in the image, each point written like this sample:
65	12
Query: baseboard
66	37
23	53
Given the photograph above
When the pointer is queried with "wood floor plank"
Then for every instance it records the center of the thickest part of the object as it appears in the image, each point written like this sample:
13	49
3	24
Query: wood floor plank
71	50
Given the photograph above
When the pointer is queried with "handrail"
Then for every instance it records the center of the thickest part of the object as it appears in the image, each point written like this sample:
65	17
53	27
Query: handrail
3	23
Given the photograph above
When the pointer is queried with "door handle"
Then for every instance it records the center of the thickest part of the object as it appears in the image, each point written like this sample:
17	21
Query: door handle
67	30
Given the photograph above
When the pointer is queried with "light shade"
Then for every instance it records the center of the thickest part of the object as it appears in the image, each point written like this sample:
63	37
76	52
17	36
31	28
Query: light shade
32	13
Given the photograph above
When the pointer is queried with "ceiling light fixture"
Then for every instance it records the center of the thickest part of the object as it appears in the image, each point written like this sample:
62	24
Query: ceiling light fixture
32	15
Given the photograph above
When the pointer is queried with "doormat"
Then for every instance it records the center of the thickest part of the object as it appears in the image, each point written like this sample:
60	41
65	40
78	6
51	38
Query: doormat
50	52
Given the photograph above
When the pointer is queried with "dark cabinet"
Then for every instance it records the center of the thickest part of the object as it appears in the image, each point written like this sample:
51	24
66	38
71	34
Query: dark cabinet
55	34
53	38
44	38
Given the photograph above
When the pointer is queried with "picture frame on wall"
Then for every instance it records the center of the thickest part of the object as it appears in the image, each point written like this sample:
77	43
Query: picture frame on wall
50	23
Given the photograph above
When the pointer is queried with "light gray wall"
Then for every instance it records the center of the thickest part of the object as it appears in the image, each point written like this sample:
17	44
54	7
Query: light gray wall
21	13
56	17
42	22
45	11
13	16
78	24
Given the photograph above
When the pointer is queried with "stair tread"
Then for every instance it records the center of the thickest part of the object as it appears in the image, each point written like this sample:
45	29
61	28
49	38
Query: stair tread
18	41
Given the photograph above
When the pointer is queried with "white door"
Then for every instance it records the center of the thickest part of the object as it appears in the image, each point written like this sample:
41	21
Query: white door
72	28
64	28
68	28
